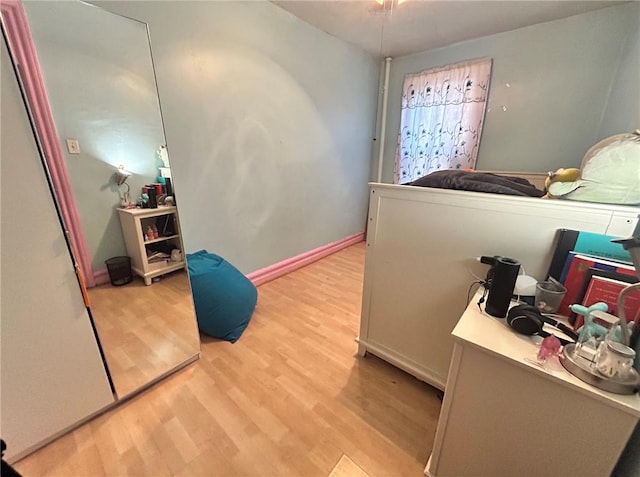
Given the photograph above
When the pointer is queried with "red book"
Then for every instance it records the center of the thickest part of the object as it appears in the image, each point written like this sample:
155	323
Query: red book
577	272
602	289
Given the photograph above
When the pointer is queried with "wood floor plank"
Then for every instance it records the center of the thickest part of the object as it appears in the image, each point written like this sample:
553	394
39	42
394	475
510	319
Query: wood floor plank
347	468
145	330
290	398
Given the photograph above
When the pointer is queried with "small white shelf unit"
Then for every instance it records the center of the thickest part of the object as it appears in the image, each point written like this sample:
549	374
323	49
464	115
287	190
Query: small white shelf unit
134	222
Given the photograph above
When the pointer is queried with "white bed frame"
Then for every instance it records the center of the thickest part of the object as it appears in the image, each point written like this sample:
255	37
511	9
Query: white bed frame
422	245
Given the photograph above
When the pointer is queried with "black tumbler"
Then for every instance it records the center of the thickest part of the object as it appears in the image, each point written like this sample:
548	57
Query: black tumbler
503	281
153	200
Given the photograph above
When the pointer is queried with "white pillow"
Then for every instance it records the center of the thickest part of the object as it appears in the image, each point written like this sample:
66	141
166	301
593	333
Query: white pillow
611	175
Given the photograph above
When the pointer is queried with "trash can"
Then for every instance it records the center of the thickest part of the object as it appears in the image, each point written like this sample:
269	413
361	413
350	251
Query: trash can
119	269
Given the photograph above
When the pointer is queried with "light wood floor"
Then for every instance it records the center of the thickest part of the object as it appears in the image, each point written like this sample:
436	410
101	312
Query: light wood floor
290	398
145	331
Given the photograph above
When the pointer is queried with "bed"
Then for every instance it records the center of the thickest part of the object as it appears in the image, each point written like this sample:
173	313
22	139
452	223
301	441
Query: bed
609	173
421	258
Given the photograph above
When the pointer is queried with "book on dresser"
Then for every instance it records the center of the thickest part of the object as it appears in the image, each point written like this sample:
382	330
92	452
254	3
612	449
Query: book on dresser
585	243
605	286
576	272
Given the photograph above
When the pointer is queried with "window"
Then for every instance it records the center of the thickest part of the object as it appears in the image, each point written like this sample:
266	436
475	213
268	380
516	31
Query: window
441	119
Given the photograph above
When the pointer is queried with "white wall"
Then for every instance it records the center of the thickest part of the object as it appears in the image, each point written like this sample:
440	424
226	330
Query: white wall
268	123
559	74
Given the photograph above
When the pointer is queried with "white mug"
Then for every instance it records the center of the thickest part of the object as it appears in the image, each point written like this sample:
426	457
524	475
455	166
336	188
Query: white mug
614	359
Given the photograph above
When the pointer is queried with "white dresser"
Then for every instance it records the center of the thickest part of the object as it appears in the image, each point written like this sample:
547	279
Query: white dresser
134	222
503	415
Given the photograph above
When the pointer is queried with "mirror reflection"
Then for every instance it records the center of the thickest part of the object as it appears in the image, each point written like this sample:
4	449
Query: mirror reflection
103	97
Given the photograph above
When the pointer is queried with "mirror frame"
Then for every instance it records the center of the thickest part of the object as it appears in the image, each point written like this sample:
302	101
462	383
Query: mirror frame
24	55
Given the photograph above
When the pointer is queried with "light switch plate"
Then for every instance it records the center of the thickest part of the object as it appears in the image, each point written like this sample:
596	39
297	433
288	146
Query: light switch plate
72	146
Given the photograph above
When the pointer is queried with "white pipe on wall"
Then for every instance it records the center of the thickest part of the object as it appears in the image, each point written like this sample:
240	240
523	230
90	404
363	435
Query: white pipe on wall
383	121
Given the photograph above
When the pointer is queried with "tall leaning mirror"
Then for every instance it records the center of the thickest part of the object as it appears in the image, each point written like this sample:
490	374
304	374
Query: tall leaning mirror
97	71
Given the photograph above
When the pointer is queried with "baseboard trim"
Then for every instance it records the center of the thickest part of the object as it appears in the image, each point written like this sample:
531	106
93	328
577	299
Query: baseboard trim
101	277
276	270
287	266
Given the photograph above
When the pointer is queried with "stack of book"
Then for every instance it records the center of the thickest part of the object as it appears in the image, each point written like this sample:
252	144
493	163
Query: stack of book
157	260
593	269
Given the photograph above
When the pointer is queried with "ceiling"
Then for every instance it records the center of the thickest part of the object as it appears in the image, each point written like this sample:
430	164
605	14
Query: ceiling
419	25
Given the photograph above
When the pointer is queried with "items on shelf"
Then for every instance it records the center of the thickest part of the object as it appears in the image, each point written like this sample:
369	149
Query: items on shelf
157	256
151	233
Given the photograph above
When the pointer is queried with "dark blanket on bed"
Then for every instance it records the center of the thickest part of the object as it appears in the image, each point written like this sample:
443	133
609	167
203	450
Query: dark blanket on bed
478	182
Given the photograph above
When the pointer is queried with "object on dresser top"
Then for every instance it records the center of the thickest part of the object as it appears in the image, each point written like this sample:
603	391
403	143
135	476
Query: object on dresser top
550	346
614	360
586	243
586	371
603	263
527	320
577	268
549	295
598	325
589	353
525	288
605	287
500	281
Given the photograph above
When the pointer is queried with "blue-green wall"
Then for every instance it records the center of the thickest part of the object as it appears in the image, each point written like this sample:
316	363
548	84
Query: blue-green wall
269	124
622	113
559	73
102	92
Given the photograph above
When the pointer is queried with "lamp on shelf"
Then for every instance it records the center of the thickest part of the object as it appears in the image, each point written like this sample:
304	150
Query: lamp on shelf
121	180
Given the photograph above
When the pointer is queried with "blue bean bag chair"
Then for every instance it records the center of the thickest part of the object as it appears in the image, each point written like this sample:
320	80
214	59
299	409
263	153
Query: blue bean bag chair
224	298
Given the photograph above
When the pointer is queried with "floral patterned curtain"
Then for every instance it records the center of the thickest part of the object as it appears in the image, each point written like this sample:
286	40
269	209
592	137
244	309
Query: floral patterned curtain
441	119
